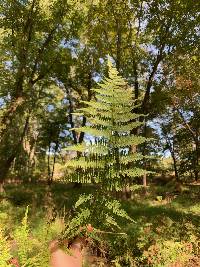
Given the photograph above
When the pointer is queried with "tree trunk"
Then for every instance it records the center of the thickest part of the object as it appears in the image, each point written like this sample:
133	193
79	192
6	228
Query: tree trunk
144	154
196	171
175	168
1	187
144	180
196	175
5	166
54	161
49	181
118	45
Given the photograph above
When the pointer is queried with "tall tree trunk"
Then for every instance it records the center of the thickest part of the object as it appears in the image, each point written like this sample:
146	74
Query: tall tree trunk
175	167
1	187
118	46
144	180
53	167
48	165
54	161
171	147
196	167
196	175
144	154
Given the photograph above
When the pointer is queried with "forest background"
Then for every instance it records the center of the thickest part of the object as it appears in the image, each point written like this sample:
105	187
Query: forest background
53	54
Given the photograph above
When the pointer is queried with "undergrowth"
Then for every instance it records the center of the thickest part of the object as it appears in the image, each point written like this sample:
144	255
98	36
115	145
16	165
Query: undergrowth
157	237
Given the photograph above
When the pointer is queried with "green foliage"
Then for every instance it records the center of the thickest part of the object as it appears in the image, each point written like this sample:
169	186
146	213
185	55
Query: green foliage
29	246
5	255
108	159
158	232
102	212
21	236
50	53
29	252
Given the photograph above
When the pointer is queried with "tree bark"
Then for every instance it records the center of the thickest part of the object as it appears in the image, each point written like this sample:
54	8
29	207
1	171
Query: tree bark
196	167
175	168
49	181
171	149
1	187
144	180
54	161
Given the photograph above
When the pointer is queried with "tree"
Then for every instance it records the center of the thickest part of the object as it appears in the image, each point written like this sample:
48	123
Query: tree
154	45
142	37
180	103
169	135
33	33
186	103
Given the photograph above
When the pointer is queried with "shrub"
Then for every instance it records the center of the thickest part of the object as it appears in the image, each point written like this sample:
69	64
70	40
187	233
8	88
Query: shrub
168	252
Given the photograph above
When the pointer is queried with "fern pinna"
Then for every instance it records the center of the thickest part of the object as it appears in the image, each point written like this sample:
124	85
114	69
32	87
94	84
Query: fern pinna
107	159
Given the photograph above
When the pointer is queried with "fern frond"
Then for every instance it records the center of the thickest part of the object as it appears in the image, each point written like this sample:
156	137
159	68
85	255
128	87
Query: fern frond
131	158
85	163
94	132
126	141
110	121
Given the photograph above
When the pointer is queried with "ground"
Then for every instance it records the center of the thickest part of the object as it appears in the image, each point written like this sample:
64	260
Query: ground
166	223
